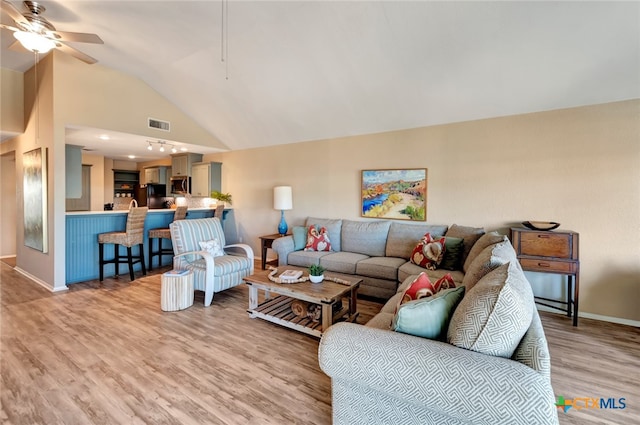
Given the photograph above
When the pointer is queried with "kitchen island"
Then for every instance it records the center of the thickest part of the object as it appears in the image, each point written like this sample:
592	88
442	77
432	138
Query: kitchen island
83	227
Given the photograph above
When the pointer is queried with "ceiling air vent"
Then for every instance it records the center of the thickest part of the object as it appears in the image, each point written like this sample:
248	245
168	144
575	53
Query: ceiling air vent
159	125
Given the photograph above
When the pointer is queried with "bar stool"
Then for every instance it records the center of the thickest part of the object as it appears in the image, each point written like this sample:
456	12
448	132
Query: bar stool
133	235
219	211
163	233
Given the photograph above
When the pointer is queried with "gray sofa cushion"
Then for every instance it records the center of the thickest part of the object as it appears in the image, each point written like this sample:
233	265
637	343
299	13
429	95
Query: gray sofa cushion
382	320
342	262
485	240
469	234
306	258
404	237
382	267
489	259
410	269
365	237
494	316
333	227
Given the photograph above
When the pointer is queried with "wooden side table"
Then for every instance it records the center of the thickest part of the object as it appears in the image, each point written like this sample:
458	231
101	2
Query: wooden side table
266	242
176	292
551	252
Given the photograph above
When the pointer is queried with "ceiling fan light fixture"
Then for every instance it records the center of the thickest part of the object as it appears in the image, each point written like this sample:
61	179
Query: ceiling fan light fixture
34	42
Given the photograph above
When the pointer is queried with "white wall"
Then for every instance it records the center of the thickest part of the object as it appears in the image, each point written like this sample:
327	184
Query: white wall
579	167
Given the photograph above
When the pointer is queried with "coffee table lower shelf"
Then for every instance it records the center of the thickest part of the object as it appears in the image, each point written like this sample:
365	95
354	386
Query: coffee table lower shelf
278	310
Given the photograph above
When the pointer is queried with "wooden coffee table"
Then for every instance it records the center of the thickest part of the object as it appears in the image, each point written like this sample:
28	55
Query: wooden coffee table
328	295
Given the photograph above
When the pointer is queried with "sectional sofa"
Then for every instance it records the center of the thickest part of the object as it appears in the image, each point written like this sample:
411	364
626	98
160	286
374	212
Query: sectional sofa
376	251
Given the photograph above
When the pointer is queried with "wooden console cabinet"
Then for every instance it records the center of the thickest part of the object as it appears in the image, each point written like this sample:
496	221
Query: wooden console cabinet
551	252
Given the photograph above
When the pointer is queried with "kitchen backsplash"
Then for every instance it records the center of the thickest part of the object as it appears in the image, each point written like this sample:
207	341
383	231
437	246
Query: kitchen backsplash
192	202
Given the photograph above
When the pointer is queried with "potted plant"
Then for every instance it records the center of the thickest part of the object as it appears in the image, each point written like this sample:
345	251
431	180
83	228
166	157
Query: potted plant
316	273
222	197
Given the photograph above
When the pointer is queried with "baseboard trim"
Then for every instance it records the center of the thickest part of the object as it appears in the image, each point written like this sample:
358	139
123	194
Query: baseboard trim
39	281
618	320
2	257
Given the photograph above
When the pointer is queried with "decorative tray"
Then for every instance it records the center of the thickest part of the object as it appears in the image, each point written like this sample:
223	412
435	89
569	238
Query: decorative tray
541	225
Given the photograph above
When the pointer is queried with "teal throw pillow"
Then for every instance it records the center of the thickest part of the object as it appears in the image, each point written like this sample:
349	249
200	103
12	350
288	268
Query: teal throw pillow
428	317
453	249
299	237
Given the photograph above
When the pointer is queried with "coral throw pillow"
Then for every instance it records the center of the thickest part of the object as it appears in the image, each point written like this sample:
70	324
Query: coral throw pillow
317	239
422	287
429	252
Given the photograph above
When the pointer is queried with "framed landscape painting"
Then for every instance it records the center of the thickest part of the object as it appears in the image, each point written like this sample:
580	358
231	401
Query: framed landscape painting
35	199
395	194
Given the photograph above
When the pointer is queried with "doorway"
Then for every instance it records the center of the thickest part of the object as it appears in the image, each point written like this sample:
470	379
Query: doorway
8	206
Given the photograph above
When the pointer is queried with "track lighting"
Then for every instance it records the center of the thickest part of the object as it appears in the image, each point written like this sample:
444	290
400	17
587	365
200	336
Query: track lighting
162	144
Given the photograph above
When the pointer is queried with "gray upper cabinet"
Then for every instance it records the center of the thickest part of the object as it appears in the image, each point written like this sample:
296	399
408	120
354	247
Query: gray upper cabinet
155	175
206	177
73	170
181	163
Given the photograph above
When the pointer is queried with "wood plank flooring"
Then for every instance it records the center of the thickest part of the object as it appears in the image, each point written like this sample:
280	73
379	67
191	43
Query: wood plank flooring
107	354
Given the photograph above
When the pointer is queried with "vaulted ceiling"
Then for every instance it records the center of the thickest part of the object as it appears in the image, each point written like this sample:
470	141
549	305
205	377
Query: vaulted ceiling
308	70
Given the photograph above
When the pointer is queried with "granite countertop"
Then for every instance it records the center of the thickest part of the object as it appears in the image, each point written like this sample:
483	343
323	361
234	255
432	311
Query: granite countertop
153	211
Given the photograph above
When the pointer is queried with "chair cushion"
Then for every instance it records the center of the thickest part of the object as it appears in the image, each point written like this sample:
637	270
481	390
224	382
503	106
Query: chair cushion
333	226
223	265
185	234
495	314
342	262
162	233
428	317
403	237
380	267
365	237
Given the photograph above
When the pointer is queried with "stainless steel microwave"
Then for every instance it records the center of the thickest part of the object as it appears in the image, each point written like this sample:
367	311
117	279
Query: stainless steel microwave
180	185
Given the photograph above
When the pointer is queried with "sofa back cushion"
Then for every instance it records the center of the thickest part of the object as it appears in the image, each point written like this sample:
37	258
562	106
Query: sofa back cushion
403	237
333	227
495	314
365	237
485	240
489	259
469	234
533	349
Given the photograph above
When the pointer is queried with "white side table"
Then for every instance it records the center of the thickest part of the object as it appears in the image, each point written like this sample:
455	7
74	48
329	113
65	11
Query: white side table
176	292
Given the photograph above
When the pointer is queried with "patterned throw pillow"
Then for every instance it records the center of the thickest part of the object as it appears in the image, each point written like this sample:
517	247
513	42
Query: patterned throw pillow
422	287
317	239
429	252
212	247
428	317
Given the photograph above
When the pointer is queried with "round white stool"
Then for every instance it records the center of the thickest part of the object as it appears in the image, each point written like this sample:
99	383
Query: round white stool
176	292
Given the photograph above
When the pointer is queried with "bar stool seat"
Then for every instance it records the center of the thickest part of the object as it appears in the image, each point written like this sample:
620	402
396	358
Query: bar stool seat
163	233
133	235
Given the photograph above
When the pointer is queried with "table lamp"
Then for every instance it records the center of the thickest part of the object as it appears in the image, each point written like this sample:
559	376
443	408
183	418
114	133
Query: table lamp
282	200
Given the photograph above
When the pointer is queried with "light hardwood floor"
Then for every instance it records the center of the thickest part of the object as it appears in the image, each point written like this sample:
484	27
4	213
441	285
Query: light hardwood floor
107	354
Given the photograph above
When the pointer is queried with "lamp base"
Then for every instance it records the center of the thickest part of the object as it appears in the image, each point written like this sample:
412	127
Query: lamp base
282	227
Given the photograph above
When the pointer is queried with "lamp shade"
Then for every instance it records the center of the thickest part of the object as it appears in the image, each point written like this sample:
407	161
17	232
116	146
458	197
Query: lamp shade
282	198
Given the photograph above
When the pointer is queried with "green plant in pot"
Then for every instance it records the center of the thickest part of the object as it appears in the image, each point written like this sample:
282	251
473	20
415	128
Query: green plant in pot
222	197
316	273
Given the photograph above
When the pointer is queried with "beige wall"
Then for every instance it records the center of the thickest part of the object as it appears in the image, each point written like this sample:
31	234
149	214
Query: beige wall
579	167
11	102
8	208
97	180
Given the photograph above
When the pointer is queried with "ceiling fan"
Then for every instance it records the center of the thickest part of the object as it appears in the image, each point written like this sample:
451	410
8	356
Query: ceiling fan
36	34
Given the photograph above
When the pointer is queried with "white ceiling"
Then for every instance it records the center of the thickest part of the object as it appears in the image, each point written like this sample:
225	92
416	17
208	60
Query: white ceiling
312	70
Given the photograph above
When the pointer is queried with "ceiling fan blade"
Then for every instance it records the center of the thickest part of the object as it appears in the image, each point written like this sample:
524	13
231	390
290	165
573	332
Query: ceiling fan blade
79	37
14	29
16	46
76	53
14	14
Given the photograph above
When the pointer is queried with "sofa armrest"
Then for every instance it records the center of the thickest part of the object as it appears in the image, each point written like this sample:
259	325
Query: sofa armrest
459	383
283	247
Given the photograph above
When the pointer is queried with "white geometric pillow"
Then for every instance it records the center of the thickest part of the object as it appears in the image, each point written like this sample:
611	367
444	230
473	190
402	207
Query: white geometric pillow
495	314
212	247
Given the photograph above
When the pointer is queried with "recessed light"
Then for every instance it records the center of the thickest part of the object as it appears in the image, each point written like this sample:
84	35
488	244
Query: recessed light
104	137
184	149
131	156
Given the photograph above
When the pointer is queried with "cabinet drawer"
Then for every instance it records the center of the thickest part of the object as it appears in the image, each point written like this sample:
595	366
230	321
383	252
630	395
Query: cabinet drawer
548	266
545	244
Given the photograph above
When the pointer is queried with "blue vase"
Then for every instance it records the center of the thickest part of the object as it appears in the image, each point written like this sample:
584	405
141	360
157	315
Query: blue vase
282	227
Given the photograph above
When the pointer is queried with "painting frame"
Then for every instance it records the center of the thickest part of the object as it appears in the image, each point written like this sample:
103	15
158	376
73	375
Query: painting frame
396	194
34	165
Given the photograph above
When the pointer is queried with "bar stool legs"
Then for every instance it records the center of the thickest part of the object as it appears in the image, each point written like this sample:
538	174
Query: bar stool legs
129	259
